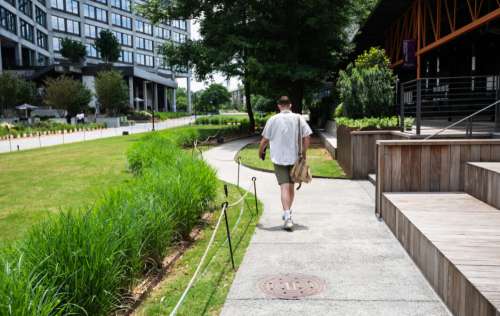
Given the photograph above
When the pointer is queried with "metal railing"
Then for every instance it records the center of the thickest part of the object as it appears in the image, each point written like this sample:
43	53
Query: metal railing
449	98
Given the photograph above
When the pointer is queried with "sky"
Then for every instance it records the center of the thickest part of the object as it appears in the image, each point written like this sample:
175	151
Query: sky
197	85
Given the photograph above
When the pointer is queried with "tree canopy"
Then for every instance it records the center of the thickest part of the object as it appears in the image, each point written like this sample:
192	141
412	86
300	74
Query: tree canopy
73	50
111	92
68	94
15	91
108	46
212	98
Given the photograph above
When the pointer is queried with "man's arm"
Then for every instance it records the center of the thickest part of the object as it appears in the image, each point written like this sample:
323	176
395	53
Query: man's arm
262	147
306	141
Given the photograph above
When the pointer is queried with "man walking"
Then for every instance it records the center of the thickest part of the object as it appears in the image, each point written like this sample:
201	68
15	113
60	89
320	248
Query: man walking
282	132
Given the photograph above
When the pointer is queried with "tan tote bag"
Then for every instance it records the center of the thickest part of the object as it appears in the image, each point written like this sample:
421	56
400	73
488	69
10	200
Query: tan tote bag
300	171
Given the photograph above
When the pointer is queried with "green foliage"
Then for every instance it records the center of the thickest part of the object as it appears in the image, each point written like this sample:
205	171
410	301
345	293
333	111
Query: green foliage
112	92
84	262
320	111
66	93
181	100
162	116
239	121
15	91
17	130
73	50
212	98
370	123
339	111
263	104
108	46
367	87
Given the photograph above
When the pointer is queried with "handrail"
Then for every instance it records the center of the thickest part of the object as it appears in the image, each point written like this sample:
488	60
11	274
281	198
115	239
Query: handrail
463	120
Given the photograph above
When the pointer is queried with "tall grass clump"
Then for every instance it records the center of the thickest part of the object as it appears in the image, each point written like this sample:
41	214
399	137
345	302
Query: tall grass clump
86	261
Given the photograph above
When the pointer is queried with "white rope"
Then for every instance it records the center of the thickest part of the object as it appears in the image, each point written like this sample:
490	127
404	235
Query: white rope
242	197
191	282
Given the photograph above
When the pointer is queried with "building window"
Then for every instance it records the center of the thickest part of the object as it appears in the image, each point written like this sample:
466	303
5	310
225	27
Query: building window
178	37
122	5
27	31
8	20
92	51
40	17
144	60
94	13
12	2
65	25
102	1
180	24
92	31
126	57
26	7
42	39
70	6
143	43
143	27
121	21
162	33
162	63
123	39
56	44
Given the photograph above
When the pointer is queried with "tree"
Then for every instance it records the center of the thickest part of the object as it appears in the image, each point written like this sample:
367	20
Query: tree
108	46
224	47
263	104
68	94
213	97
366	87
181	100
73	50
15	91
111	92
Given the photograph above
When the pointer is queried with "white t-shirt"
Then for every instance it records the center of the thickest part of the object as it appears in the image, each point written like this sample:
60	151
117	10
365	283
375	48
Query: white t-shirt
282	131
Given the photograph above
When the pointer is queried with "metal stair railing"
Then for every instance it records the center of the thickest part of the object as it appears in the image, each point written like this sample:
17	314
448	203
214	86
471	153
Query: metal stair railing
469	130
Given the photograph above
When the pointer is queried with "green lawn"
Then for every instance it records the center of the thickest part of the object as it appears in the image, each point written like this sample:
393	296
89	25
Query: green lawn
212	286
320	161
37	182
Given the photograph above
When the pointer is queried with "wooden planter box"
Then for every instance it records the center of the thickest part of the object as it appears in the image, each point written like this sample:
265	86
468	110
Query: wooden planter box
356	150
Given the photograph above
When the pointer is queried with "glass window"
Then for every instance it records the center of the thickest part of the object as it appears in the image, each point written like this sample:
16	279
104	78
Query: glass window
102	1
121	4
144	60
57	4
72	6
162	33
73	27
92	31
56	44
27	31
126	57
143	27
26	7
121	21
42	39
143	43
92	51
41	17
94	13
8	20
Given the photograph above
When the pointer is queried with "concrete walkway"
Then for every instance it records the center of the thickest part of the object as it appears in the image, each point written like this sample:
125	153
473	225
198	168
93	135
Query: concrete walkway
59	139
337	238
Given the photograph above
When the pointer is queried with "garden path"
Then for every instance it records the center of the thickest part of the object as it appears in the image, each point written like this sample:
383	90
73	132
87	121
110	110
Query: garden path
337	238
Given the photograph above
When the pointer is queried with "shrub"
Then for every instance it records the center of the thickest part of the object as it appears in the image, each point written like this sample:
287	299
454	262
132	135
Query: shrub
367	87
83	262
68	94
369	123
73	50
339	111
14	91
111	92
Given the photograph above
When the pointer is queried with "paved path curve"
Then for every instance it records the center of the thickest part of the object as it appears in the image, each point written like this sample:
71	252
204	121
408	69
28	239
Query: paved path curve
337	239
59	139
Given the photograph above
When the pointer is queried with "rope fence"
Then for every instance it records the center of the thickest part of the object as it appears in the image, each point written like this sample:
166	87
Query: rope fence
224	208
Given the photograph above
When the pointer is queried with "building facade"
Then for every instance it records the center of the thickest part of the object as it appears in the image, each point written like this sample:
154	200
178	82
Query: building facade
31	32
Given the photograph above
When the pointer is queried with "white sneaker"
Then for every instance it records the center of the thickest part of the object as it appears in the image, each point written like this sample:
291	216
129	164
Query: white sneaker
288	224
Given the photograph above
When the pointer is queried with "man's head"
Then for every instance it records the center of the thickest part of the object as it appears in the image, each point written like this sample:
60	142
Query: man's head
284	103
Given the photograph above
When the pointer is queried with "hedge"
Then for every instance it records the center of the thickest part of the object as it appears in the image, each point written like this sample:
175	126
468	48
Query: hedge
371	123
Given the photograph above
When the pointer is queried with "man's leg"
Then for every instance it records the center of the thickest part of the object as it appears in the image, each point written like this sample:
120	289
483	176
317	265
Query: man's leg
287	195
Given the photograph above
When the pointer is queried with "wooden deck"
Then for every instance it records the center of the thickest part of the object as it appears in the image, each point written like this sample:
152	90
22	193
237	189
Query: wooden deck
454	238
482	180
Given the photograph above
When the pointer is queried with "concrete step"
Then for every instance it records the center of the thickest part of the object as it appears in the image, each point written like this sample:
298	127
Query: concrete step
330	142
454	239
482	180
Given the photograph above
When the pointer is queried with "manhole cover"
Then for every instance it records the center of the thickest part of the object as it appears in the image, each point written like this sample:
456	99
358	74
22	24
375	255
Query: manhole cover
291	286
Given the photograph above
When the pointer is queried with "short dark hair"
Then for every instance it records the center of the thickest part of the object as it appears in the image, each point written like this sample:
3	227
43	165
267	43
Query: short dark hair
284	100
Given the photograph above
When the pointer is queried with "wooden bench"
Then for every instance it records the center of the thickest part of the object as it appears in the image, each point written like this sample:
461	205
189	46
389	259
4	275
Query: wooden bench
454	239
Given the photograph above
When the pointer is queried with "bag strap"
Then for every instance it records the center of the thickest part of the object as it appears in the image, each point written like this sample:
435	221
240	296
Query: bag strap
299	138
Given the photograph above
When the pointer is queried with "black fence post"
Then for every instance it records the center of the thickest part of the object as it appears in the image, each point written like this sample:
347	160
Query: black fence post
254	179
402	108
497	107
419	106
224	209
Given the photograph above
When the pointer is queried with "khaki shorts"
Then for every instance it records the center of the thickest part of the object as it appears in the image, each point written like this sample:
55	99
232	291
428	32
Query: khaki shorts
283	174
